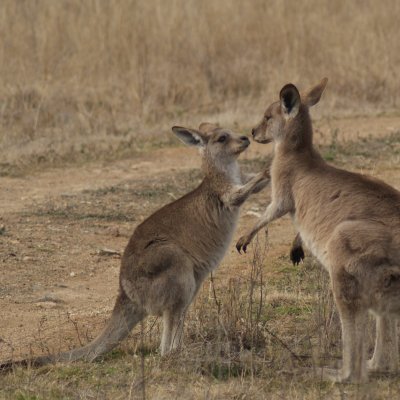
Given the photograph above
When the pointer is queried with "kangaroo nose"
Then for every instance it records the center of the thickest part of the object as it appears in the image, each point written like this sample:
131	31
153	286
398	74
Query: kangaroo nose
253	131
244	138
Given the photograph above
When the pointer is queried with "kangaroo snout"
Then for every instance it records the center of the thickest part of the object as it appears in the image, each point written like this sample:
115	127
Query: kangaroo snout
244	143
260	135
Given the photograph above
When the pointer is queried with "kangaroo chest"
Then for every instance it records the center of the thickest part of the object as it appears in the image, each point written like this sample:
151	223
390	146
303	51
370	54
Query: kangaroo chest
215	240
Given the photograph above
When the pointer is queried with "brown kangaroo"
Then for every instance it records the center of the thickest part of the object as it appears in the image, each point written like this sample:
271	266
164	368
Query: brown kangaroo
349	221
172	252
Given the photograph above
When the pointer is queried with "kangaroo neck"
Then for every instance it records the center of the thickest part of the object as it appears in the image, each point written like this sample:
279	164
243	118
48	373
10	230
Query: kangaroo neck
298	134
221	176
293	158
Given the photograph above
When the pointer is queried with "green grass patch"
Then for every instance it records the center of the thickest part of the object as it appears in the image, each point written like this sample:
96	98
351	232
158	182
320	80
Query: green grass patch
27	396
362	152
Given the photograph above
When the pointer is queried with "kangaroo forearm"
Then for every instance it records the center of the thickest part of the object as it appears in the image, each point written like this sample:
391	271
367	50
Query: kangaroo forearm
271	213
266	180
261	223
239	195
261	185
297	251
297	242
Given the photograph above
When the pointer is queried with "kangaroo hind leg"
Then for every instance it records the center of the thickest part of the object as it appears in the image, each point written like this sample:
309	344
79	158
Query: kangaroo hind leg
172	330
387	307
386	353
354	350
353	317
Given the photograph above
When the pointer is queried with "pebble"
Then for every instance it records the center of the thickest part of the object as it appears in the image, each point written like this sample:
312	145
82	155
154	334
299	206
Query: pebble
50	298
72	274
49	304
113	231
61	285
108	252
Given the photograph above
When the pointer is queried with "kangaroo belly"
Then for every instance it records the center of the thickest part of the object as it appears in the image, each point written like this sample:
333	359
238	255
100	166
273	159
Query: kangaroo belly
317	247
221	248
213	244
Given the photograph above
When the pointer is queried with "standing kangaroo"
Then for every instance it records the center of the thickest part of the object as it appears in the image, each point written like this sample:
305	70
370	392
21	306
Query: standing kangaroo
349	221
171	252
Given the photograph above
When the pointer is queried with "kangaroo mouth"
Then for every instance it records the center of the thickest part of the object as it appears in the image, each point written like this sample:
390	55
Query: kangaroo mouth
263	141
242	148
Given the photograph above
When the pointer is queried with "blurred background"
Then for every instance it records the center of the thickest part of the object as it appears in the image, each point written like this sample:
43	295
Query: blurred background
85	79
89	91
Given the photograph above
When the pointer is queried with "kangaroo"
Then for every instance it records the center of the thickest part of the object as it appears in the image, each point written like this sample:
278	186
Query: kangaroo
171	252
349	221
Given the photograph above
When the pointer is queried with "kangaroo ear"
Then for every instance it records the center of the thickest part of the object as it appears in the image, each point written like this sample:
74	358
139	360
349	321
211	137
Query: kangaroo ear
313	96
191	137
206	127
290	100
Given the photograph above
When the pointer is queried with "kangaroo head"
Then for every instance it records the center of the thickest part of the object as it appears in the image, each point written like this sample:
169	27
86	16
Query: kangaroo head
219	147
284	119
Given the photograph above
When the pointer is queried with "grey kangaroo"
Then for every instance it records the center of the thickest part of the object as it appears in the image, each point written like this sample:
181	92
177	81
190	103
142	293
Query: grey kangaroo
171	252
349	221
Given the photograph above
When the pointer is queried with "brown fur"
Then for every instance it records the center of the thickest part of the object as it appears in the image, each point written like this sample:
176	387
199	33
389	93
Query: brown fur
349	221
171	252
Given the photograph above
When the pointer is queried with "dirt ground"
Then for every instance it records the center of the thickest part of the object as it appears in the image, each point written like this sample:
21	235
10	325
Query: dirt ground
63	229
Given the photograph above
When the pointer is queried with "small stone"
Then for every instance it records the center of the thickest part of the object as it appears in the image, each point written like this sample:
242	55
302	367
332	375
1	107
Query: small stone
113	231
108	252
49	304
50	298
61	285
72	274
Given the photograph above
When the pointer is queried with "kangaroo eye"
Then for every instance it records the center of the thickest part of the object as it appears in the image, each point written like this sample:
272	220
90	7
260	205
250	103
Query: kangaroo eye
222	139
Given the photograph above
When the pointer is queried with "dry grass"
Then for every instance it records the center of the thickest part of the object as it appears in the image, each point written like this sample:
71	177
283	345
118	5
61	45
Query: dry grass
249	339
82	80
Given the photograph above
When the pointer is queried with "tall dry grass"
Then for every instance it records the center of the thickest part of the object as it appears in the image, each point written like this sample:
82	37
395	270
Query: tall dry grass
72	70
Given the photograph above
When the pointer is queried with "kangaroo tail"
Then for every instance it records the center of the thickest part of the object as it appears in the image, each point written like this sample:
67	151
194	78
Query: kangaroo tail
123	318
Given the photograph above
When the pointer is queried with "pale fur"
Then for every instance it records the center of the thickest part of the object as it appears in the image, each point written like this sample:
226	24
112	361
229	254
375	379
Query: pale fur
171	252
349	221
